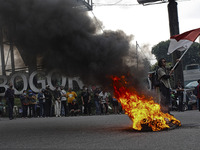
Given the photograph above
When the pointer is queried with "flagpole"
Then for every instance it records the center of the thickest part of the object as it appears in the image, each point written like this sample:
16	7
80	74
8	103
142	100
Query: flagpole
178	61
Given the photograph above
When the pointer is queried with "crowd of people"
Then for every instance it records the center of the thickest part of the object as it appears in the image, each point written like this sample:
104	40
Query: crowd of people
62	102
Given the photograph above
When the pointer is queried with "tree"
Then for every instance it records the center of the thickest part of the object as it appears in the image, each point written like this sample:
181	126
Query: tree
160	50
191	57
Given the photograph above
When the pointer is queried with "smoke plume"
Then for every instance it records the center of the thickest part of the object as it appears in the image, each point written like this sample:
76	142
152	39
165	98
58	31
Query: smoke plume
66	38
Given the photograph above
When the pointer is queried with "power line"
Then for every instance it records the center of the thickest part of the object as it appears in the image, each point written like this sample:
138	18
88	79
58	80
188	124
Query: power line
98	22
132	4
118	3
138	46
101	4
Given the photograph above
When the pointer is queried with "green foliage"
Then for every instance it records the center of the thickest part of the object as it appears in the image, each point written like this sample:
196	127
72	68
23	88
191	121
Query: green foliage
160	51
191	57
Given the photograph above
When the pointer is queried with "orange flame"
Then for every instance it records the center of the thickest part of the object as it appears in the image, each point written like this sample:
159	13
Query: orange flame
140	110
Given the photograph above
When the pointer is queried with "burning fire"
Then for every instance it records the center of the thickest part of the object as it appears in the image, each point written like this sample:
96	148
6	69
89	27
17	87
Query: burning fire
142	111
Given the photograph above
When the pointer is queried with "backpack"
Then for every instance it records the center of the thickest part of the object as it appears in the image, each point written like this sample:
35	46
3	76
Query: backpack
156	81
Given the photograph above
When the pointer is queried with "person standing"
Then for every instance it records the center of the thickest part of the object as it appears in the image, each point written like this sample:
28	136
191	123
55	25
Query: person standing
71	95
32	103
197	93
104	101
164	75
24	103
41	99
97	100
57	96
86	98
48	101
63	101
9	95
179	90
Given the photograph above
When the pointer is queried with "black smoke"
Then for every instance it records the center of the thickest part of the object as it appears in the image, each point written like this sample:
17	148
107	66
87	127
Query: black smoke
67	39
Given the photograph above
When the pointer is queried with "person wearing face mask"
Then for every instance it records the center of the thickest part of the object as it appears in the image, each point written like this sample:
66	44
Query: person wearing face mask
86	98
24	103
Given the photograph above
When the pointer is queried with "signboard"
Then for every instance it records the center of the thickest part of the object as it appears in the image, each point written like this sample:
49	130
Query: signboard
36	81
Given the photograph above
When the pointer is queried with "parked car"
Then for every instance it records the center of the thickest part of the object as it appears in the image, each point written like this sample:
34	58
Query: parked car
191	85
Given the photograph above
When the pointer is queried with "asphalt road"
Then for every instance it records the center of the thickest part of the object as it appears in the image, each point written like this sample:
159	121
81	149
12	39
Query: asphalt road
97	132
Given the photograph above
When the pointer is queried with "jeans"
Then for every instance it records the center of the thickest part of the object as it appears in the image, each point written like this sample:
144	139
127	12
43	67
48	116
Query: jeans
42	110
98	109
64	106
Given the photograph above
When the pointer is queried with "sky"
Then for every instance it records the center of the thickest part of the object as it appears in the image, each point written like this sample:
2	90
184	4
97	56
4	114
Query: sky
149	24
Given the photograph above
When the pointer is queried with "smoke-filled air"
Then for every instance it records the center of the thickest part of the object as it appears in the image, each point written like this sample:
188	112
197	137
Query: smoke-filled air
67	39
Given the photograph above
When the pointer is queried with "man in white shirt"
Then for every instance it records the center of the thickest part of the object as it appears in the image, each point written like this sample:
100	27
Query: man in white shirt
63	102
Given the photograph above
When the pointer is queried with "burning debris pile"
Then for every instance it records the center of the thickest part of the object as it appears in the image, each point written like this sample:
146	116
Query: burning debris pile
142	111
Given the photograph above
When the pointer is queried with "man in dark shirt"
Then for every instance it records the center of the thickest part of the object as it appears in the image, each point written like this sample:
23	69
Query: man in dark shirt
85	97
9	95
48	101
97	91
179	90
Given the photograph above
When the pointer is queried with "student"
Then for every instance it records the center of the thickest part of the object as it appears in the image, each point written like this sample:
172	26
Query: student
164	75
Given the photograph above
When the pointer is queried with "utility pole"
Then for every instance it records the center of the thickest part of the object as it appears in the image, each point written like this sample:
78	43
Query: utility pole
12	57
174	30
2	52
